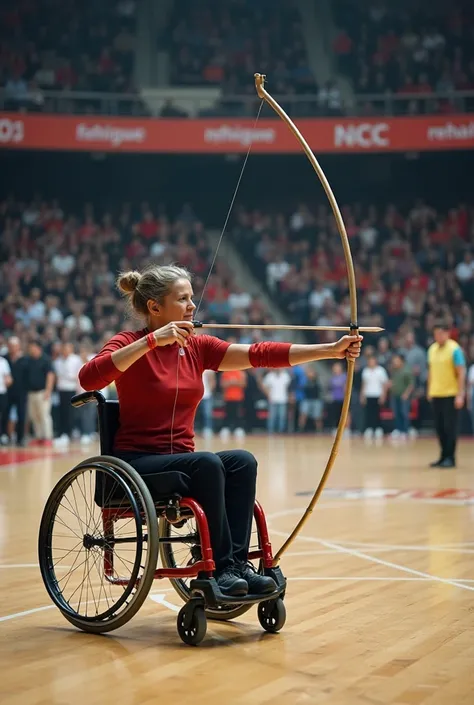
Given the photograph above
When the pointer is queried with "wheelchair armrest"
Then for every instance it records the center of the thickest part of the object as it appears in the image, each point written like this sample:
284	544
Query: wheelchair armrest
86	397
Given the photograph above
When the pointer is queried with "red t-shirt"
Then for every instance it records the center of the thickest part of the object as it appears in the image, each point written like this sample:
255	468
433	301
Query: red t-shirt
147	390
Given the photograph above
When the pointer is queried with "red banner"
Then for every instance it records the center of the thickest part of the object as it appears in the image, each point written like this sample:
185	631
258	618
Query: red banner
221	135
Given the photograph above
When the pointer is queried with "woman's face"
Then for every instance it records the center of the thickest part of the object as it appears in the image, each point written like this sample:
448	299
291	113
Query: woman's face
178	304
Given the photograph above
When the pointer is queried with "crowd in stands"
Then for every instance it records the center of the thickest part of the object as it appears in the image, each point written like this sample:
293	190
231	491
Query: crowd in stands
397	51
58	302
225	43
407	48
413	267
67	46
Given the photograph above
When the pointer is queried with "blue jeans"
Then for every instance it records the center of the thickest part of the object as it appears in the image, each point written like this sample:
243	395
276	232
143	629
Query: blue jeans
401	411
205	410
277	417
472	411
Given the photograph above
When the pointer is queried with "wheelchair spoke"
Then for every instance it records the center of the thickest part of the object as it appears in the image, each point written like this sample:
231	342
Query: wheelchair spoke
66	526
111	544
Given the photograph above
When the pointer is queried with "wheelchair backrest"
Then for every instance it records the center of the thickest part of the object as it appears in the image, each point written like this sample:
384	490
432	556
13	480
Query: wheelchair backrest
109	421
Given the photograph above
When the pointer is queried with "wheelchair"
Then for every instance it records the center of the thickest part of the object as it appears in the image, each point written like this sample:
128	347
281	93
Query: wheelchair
102	534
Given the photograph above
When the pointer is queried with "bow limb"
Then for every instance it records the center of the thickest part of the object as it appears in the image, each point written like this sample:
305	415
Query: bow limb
262	93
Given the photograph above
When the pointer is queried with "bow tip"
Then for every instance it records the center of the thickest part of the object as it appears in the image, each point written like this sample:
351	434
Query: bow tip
260	84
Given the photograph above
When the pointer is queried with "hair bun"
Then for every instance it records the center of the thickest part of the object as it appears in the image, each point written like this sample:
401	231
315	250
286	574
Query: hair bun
128	281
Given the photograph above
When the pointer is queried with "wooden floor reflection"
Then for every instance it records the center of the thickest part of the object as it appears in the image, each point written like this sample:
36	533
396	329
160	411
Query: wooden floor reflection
380	599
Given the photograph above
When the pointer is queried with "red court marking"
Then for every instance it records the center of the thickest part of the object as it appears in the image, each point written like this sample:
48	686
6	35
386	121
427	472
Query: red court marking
11	456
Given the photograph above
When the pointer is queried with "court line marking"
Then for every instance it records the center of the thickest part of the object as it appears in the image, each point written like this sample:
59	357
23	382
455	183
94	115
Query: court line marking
395	566
386	548
25	613
368	578
381	548
388	564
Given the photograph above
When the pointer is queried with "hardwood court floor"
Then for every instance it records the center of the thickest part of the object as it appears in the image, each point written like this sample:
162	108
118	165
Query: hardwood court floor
380	599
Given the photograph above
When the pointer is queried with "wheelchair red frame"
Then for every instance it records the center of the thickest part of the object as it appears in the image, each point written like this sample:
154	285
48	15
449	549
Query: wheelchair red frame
206	564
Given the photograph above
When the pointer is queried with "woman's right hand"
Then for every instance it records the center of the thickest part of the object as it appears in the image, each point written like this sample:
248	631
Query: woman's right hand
174	332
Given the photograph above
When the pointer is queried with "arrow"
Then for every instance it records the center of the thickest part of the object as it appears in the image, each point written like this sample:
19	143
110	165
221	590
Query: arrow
251	326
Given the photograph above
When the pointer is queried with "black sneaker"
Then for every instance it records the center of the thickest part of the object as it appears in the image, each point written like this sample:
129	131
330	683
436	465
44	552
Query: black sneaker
258	584
231	583
436	463
447	463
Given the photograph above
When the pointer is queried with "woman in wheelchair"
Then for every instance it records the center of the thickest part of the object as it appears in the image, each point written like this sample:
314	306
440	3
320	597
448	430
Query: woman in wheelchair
158	375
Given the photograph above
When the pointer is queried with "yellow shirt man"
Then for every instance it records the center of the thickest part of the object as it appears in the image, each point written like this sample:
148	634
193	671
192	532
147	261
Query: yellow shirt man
443	361
446	390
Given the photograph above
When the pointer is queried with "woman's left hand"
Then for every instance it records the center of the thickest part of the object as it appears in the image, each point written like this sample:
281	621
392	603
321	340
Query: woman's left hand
348	347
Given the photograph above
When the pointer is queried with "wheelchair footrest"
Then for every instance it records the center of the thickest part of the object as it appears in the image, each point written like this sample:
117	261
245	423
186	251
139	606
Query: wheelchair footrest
208	589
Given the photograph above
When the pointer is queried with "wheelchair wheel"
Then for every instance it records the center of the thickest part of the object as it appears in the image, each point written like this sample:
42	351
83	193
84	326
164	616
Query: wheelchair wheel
187	553
98	544
272	615
192	624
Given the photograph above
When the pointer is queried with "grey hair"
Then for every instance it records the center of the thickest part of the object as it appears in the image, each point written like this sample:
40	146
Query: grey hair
154	282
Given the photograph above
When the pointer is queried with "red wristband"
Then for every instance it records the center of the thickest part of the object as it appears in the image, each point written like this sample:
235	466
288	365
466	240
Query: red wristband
151	341
270	354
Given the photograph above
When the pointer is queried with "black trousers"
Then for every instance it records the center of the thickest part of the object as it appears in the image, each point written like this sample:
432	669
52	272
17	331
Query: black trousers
372	412
66	418
223	483
233	414
20	402
3	411
446	425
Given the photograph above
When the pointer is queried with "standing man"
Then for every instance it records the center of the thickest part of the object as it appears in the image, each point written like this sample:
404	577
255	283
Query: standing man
66	367
207	401
276	386
233	384
372	395
446	391
401	388
17	394
5	382
40	389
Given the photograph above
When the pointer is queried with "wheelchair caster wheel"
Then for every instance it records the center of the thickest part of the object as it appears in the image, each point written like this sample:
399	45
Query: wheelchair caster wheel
192	624
272	615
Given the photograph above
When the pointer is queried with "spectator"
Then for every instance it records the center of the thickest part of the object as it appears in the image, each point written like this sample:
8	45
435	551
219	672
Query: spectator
206	405
373	394
233	383
17	393
40	388
311	406
87	414
401	387
276	386
446	391
66	368
296	396
5	383
337	384
470	382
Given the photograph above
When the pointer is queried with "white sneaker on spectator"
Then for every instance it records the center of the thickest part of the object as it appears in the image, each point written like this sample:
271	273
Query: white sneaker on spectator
224	434
378	434
412	433
85	440
207	433
239	433
61	442
368	434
